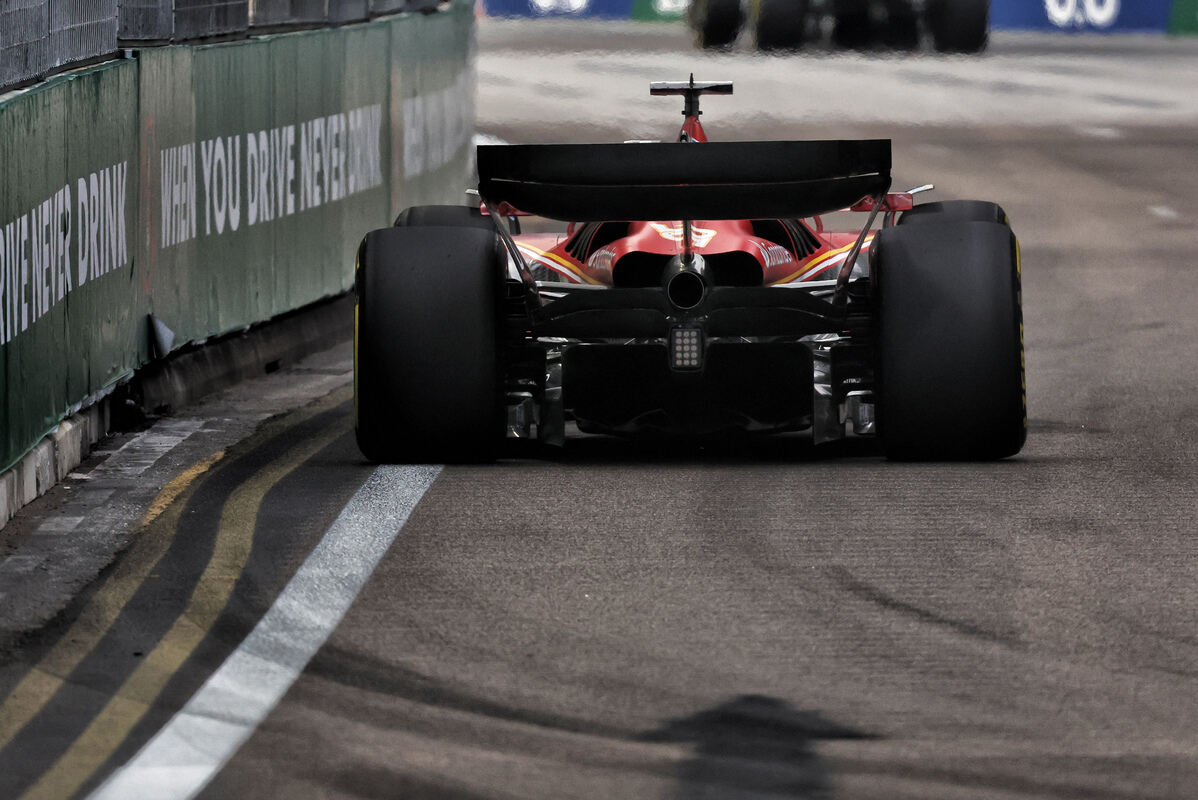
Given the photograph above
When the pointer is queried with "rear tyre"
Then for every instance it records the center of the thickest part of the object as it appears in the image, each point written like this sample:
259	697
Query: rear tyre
781	24
426	374
950	374
956	210
958	26
716	23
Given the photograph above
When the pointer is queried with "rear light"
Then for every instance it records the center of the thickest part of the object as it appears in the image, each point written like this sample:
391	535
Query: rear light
686	348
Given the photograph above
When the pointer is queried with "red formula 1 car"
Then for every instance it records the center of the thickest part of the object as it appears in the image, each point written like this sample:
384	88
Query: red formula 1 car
695	292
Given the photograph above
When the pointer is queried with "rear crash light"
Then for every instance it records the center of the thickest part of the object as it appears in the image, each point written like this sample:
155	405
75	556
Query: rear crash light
686	348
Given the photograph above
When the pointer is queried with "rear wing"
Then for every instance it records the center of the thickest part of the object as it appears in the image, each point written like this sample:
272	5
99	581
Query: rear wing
713	180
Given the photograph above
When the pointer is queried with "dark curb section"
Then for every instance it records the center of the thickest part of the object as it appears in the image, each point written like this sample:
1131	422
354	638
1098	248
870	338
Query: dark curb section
195	372
172	383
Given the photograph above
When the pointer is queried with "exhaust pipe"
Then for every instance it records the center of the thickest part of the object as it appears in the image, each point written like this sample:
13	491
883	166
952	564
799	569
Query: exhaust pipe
684	283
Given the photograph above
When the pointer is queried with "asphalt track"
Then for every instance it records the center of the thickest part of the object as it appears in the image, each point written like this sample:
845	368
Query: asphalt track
688	622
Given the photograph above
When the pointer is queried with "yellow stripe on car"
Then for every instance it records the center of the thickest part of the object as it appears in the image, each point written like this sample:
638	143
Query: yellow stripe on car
539	254
815	262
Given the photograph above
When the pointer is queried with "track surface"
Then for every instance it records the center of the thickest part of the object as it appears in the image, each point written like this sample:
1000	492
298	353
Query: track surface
777	622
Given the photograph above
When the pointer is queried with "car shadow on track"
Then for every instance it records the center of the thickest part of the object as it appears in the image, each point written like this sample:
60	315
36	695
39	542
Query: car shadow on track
750	745
753	746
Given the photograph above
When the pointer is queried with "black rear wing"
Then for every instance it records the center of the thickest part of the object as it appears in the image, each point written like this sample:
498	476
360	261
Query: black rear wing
710	180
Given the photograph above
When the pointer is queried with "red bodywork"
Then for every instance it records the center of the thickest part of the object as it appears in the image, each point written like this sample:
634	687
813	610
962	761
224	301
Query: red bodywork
780	258
777	260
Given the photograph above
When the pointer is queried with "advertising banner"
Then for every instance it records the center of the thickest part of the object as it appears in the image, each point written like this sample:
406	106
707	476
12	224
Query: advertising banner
1068	16
67	278
250	185
601	9
1102	16
1184	19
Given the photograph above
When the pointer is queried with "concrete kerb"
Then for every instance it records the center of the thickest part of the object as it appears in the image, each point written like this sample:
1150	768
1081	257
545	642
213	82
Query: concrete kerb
171	384
31	477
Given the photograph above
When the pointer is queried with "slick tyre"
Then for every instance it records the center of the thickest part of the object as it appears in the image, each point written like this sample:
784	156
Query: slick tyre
950	374
716	23
426	375
958	26
956	210
781	24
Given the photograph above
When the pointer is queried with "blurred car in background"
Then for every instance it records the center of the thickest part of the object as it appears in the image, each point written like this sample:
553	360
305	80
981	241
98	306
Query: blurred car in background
952	26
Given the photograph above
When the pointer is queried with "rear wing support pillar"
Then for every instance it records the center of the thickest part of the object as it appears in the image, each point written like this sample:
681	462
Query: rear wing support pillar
532	294
846	269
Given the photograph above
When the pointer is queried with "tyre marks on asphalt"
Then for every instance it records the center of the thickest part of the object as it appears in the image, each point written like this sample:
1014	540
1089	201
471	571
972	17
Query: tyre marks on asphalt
151	612
139	691
50	559
101	610
184	756
294	515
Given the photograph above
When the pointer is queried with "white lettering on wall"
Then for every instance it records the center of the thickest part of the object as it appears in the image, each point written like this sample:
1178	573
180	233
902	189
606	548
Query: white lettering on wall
178	199
221	159
338	156
79	233
36	272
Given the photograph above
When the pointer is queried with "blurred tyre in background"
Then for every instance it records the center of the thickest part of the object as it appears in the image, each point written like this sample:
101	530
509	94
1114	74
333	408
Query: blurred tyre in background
951	26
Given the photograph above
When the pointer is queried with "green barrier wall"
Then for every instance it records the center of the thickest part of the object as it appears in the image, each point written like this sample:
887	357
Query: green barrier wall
1184	17
213	187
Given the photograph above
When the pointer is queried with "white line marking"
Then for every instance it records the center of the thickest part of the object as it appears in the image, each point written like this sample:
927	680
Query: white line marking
201	738
1164	212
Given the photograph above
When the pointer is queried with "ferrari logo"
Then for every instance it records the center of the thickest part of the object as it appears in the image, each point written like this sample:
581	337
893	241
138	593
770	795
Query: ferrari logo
672	231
